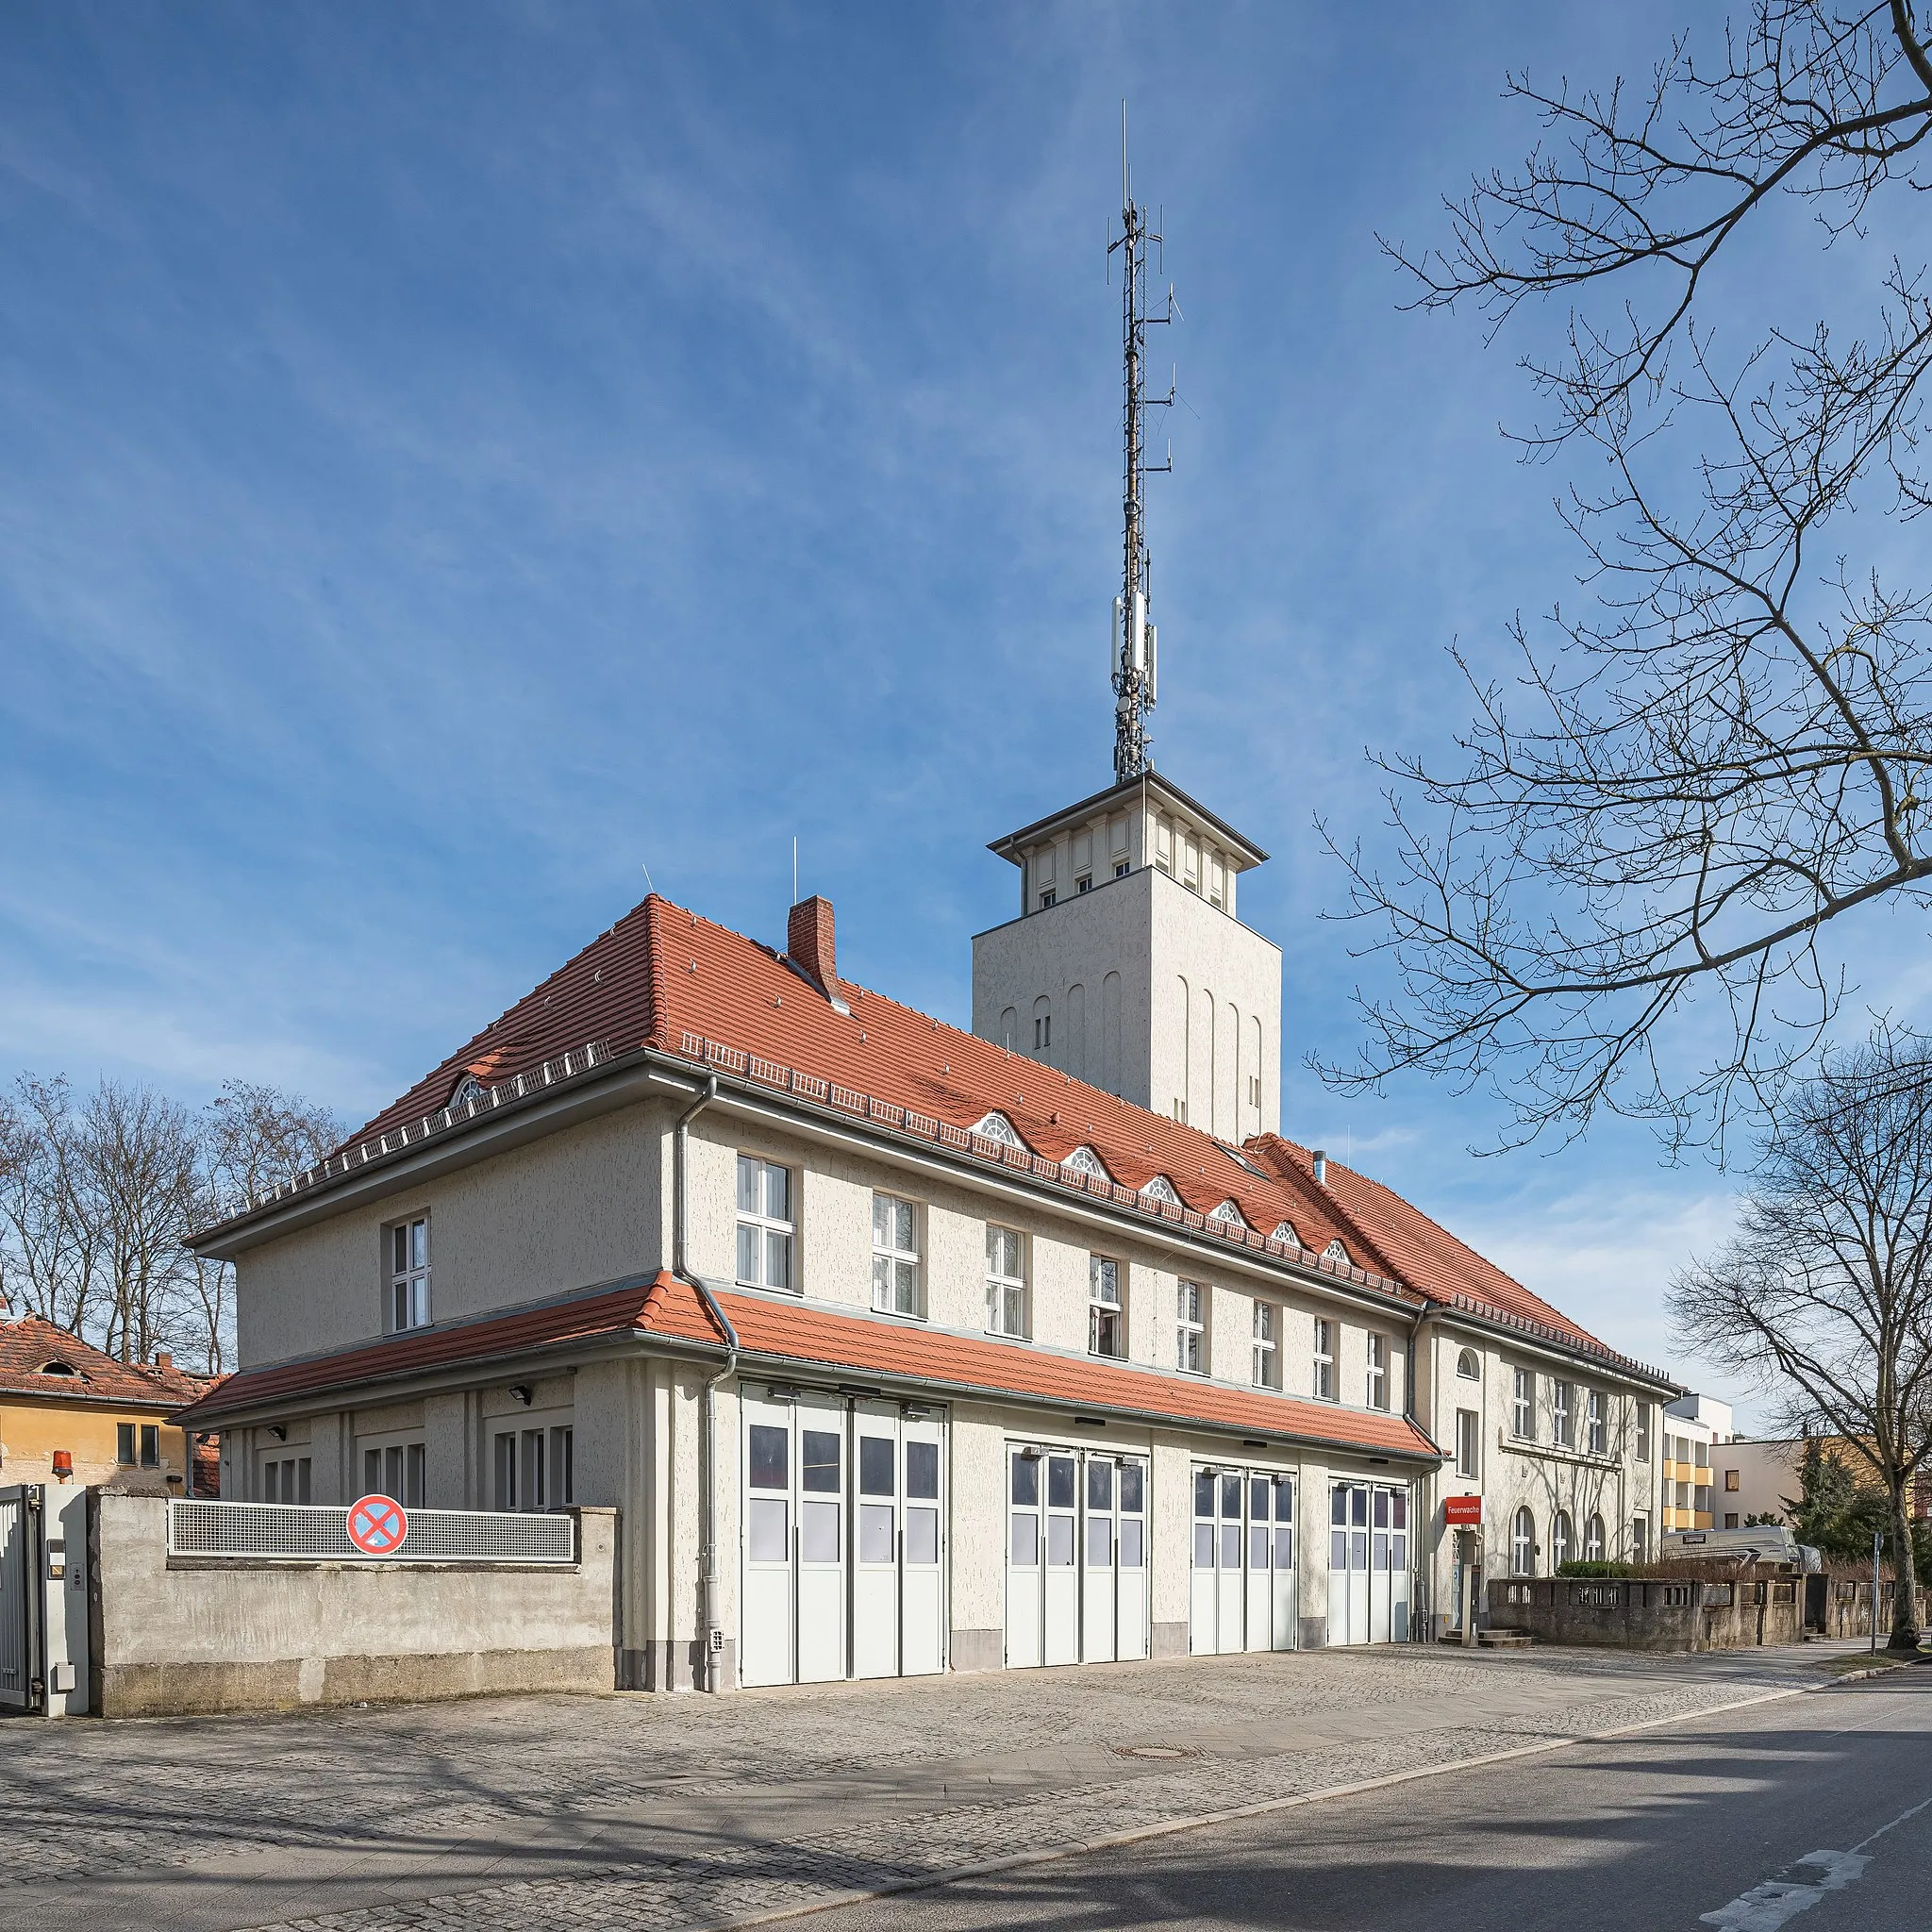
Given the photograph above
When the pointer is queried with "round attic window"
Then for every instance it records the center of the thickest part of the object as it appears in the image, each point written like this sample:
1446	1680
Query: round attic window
58	1368
469	1091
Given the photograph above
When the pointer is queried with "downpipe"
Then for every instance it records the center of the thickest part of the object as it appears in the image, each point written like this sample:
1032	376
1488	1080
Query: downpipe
707	1447
1420	1611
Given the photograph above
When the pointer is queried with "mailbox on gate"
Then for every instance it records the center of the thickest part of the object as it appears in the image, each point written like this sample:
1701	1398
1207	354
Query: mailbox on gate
1464	1511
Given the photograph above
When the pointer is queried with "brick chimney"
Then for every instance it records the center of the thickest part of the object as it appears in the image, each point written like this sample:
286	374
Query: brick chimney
163	1360
809	944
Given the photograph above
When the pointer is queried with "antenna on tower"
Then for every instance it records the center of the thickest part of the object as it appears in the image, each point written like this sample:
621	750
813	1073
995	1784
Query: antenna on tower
1133	656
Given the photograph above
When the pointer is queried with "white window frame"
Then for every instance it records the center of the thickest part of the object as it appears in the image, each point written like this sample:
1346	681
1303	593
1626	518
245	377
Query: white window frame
1473	1373
1191	1327
1522	1542
1006	1291
771	1235
898	1275
1469	1438
1266	1354
1523	1406
1595	1430
1642	1432
1378	1371
1562	1412
1107	1315
408	1273
1562	1534
1595	1538
1323	1360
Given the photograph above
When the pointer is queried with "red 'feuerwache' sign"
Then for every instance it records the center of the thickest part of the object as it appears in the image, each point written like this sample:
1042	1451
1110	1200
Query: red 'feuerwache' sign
377	1525
1464	1509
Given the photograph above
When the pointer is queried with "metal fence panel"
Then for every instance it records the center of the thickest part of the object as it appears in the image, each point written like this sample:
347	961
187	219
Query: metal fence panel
306	1533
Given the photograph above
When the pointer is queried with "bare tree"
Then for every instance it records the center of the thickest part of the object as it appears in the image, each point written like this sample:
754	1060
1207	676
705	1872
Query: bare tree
1699	777
138	1166
50	1246
253	1137
1823	1297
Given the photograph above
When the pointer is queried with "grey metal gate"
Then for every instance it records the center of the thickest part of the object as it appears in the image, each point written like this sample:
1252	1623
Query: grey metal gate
22	1677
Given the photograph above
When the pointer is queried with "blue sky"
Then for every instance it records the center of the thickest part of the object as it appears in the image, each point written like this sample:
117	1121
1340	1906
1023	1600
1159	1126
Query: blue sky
451	457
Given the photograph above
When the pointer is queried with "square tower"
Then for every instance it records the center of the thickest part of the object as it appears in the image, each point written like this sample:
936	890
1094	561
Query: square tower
1127	966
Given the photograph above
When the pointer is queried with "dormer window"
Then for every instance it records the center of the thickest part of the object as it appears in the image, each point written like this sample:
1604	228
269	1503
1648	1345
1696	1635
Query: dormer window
996	1126
1284	1231
1229	1214
1161	1190
1084	1160
59	1369
469	1091
1336	1252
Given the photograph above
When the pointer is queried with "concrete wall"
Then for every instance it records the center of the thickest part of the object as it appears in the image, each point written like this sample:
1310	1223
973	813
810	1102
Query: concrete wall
1643	1614
561	1213
207	1634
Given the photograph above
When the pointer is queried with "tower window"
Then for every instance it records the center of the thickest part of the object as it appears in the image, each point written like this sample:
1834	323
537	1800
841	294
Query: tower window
1042	1033
1047	898
1122	868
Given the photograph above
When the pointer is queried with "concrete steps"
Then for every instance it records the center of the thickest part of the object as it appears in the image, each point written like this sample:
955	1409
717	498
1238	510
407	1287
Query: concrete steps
1504	1640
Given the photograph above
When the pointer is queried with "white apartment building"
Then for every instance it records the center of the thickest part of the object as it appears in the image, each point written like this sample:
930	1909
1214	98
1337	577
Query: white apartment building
902	1349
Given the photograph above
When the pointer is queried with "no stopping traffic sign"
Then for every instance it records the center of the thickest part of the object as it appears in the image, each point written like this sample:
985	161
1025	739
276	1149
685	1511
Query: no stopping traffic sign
377	1525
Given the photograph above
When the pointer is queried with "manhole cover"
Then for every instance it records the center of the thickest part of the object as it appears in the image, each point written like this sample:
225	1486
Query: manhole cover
1153	1750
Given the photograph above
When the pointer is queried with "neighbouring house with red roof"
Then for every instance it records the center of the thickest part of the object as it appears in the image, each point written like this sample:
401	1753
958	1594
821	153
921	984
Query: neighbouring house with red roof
70	1413
903	1349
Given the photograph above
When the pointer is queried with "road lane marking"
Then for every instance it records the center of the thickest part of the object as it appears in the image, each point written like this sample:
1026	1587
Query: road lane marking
1767	1906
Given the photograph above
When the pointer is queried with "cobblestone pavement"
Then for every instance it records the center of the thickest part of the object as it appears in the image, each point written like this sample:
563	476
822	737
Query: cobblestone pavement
684	1811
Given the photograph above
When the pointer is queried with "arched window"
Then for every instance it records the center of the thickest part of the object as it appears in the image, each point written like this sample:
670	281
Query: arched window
1468	1366
58	1368
1228	1213
1084	1160
1593	1539
469	1091
1336	1252
1562	1542
1160	1189
1284	1231
1522	1544
996	1126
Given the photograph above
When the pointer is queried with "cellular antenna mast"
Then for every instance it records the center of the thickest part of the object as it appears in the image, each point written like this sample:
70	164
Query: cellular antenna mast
1133	658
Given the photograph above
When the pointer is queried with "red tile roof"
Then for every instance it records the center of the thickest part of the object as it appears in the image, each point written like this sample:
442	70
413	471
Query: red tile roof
664	978
29	1344
784	1332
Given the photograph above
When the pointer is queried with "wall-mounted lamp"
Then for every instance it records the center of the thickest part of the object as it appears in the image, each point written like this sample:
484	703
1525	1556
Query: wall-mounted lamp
278	1431
1253	1442
522	1391
1089	1421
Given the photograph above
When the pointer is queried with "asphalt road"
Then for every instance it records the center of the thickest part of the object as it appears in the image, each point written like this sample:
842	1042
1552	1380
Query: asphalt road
1702	1822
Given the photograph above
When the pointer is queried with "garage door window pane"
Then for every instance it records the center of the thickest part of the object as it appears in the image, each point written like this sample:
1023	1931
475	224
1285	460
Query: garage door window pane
1025	1538
819	1461
1284	1549
1230	1546
875	1532
1059	1543
874	1466
1203	1492
771	1523
1231	1498
1099	1541
922	1535
1260	1491
923	1469
818	1532
1100	1486
768	1459
1060	1482
1203	1546
1132	1554
1026	1480
1284	1499
1130	1487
